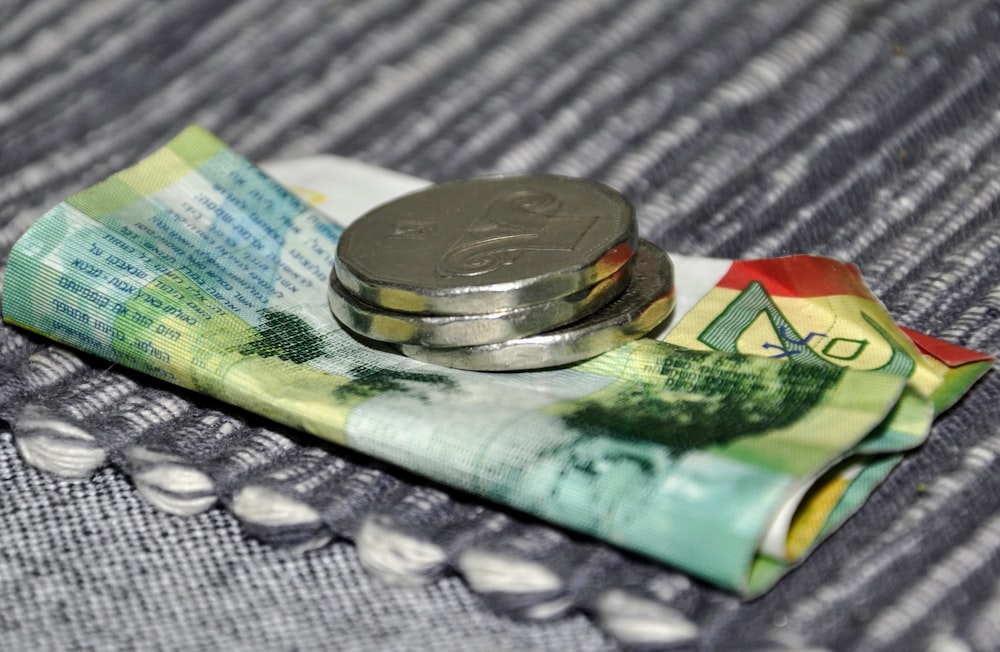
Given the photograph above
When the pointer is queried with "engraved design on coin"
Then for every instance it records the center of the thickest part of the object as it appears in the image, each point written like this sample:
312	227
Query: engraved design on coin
477	246
523	220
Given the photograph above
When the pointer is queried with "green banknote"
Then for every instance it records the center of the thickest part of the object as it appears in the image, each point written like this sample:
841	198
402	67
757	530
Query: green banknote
198	268
798	309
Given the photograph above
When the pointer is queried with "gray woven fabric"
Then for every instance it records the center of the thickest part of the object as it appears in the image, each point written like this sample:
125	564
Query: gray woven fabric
867	130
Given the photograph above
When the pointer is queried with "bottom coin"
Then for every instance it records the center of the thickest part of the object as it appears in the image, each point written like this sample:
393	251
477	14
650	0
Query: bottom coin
645	303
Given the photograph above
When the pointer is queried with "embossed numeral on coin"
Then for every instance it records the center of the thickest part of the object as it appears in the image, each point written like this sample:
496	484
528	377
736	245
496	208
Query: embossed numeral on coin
517	222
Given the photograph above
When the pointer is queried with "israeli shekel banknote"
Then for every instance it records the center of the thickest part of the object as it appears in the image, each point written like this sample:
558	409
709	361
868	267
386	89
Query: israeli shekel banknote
198	268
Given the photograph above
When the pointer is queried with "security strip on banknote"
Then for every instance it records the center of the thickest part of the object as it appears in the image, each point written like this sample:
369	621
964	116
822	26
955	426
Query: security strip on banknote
765	418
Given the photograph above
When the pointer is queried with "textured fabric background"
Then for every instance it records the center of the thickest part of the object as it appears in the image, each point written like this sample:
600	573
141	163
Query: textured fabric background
867	130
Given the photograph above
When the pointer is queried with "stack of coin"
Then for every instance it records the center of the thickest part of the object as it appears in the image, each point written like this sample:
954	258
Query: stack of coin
501	273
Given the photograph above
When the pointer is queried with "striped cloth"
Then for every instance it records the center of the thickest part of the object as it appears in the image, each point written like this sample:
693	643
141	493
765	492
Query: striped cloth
867	130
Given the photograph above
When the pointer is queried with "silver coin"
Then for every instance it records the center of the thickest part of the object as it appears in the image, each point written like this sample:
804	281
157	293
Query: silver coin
470	330
488	244
644	304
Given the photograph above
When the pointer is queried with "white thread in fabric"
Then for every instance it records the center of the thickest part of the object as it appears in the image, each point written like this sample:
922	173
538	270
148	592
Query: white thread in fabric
57	446
637	621
470	88
26	20
346	70
98	152
272	514
946	218
51	365
176	489
548	610
970	327
981	552
984	628
488	572
602	87
44	47
395	557
423	62
661	94
947	642
741	88
93	396
265	506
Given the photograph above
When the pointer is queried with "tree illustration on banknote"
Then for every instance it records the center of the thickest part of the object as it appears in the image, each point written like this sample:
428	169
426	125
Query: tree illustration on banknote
285	336
368	382
698	401
290	338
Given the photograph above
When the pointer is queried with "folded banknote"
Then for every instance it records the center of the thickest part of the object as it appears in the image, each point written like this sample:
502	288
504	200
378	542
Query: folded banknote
708	451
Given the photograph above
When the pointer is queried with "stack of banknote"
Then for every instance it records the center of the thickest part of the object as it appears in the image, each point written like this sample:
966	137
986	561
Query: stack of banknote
777	396
501	273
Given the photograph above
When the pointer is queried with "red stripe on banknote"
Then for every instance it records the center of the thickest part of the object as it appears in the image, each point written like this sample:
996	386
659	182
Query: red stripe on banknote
798	276
952	355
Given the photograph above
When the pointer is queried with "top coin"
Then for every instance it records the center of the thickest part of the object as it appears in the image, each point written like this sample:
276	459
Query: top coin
487	244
